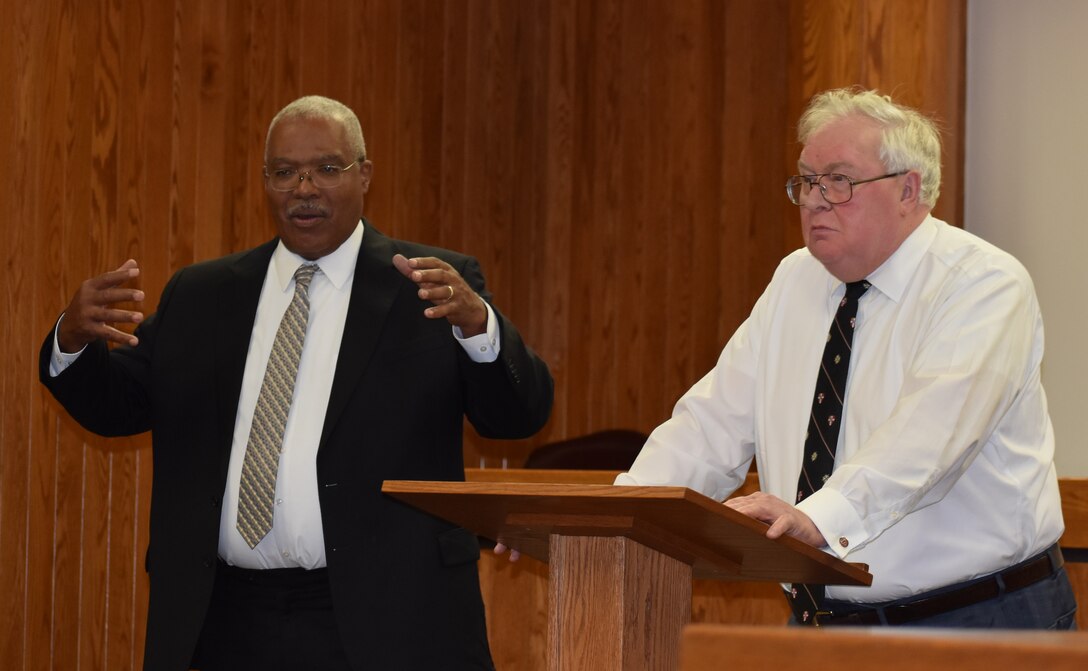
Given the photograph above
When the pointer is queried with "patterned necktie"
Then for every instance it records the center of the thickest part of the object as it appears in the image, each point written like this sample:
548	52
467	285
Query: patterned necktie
261	464
823	428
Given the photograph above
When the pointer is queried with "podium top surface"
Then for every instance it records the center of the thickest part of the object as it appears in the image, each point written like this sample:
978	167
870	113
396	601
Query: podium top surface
718	542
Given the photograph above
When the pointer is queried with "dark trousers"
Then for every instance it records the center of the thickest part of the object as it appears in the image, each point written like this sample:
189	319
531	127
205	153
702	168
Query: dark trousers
270	620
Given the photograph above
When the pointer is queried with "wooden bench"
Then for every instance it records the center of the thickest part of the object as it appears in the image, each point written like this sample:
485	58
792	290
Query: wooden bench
705	646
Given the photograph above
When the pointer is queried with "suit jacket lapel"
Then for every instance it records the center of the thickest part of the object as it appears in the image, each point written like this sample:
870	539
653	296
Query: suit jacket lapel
232	326
373	290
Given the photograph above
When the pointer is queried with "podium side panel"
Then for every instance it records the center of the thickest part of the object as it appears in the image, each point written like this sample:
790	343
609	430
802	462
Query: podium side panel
657	606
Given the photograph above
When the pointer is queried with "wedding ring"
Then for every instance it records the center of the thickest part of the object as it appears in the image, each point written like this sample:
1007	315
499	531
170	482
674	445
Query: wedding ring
451	293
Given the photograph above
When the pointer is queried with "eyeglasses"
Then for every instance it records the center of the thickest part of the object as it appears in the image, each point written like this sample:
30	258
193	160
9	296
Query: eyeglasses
835	188
323	177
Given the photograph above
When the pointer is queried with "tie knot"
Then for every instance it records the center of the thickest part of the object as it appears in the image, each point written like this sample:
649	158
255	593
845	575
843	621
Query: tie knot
854	290
304	274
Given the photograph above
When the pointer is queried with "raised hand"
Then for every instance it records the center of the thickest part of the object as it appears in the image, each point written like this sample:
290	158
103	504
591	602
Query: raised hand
91	313
453	298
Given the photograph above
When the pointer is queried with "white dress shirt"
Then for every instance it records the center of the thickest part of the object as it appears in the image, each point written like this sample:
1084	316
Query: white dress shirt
296	538
944	469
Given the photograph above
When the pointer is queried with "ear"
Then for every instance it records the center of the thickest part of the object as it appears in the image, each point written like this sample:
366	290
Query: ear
366	171
911	191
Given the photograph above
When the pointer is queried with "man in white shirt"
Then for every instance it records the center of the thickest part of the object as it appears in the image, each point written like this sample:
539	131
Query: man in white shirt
399	345
943	479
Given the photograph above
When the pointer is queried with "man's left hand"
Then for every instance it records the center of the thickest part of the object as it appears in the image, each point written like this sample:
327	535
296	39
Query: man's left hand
783	518
453	298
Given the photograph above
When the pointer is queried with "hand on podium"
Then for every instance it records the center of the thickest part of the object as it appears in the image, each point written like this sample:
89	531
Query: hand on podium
783	518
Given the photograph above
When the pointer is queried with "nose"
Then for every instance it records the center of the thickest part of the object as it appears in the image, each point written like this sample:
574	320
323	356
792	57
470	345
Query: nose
814	199
306	187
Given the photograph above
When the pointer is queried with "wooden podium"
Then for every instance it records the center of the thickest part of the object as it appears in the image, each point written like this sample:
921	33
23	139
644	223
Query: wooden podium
621	559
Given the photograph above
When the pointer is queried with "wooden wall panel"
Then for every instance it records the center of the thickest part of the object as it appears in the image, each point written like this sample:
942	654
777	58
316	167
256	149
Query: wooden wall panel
615	165
914	50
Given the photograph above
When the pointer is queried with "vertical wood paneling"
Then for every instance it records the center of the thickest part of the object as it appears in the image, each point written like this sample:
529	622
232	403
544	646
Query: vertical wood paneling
914	51
615	166
73	135
38	599
16	129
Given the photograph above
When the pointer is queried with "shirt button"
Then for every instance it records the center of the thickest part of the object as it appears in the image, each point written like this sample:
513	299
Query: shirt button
286	554
483	348
279	502
844	542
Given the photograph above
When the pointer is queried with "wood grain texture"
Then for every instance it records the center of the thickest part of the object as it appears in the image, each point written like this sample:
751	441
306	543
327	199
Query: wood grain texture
515	595
616	166
1074	493
759	648
618	605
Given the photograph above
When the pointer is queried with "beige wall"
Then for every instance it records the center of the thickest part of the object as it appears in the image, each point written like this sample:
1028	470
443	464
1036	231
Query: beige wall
1026	185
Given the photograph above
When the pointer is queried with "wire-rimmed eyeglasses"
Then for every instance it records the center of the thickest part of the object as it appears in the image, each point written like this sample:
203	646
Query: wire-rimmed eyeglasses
323	176
835	188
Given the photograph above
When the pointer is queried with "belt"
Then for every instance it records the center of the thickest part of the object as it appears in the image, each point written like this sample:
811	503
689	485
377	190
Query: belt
1016	577
274	577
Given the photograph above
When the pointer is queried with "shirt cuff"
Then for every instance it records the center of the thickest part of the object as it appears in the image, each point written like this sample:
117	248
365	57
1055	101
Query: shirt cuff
836	519
483	348
61	360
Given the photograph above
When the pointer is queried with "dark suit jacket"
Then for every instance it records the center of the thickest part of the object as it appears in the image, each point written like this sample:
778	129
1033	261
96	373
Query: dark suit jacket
405	587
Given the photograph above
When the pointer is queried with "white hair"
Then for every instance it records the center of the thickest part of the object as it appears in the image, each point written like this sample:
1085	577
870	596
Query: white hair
909	139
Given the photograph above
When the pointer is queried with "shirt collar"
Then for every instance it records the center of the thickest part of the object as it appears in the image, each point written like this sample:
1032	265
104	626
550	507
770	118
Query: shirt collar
338	266
893	276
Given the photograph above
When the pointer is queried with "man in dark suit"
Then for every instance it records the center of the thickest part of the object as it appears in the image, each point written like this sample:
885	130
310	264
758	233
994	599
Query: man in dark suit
345	578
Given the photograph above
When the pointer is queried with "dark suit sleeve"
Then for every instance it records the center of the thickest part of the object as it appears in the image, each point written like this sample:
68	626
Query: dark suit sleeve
510	397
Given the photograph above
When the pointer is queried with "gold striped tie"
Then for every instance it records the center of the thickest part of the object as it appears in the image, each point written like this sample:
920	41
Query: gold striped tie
261	464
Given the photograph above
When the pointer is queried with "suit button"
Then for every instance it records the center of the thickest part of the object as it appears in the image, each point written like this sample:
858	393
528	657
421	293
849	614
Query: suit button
207	563
215	503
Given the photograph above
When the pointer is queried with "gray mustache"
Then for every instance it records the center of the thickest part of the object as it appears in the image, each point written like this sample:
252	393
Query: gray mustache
306	208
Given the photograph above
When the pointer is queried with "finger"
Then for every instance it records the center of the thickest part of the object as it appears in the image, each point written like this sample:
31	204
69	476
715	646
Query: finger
119	295
115	316
125	272
429	263
401	263
501	549
779	528
113	335
433	277
441	294
442	309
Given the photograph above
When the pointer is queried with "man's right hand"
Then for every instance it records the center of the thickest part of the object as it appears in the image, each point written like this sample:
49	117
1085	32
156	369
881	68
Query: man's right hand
90	314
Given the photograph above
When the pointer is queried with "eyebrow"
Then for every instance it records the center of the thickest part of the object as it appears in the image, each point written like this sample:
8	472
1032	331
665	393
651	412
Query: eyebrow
320	160
834	167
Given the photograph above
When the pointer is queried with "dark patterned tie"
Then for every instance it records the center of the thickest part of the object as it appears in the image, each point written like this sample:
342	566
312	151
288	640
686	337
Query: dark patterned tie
823	428
258	485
